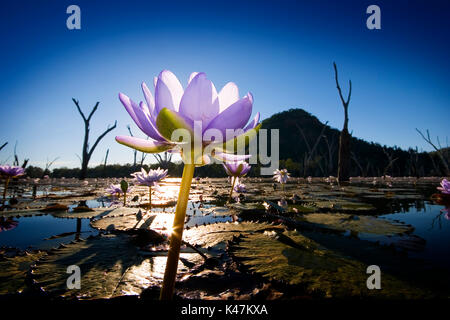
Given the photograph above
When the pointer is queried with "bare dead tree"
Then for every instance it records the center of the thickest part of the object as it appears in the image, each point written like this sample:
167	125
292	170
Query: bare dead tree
16	158
87	152
134	150
3	145
48	164
311	151
143	156
414	162
427	138
355	159
163	162
391	161
344	139
331	150
106	159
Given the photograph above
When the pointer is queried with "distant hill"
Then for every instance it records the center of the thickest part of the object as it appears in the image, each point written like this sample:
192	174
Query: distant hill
296	127
299	131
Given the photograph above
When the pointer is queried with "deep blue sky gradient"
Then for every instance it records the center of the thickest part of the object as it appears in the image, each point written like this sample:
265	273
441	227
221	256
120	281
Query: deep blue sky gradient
281	51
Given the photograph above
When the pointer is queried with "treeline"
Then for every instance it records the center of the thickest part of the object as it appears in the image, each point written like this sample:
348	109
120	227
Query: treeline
120	171
310	148
307	148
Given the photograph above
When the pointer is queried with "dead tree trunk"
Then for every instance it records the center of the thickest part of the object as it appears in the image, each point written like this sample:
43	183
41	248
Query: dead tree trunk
164	162
445	170
344	139
87	152
134	150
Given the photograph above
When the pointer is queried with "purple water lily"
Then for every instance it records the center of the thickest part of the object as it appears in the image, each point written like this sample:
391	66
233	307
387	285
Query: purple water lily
7	224
173	108
150	179
281	176
236	168
11	171
445	186
114	190
8	173
240	188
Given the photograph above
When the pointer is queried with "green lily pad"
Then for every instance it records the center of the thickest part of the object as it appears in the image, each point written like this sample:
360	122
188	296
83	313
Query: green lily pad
213	234
296	260
13	271
123	222
340	204
21	213
83	215
359	224
300	208
110	266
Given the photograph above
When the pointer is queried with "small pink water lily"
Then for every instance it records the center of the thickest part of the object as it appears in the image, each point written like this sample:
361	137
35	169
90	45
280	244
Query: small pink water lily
10	172
236	170
445	186
281	176
446	212
150	179
114	190
240	188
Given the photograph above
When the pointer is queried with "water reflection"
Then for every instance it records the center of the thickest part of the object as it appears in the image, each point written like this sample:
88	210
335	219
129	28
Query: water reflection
7	224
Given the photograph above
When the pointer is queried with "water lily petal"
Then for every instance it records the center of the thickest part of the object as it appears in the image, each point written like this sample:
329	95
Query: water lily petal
228	157
241	141
150	100
199	101
168	91
130	107
168	121
142	113
234	117
228	95
192	75
252	124
143	145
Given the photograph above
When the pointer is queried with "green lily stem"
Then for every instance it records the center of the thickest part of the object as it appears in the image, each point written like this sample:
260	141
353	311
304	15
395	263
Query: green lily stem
177	234
232	187
4	191
124	199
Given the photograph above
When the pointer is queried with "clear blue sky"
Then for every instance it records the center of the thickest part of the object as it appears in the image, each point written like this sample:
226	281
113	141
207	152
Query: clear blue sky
281	51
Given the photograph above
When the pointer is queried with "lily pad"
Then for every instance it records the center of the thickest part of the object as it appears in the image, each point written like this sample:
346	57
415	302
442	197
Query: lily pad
21	213
110	266
13	271
293	259
84	214
359	224
124	222
341	204
213	234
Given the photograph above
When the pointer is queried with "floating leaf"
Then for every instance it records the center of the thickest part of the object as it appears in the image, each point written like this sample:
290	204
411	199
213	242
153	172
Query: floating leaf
110	266
319	271
13	271
359	224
